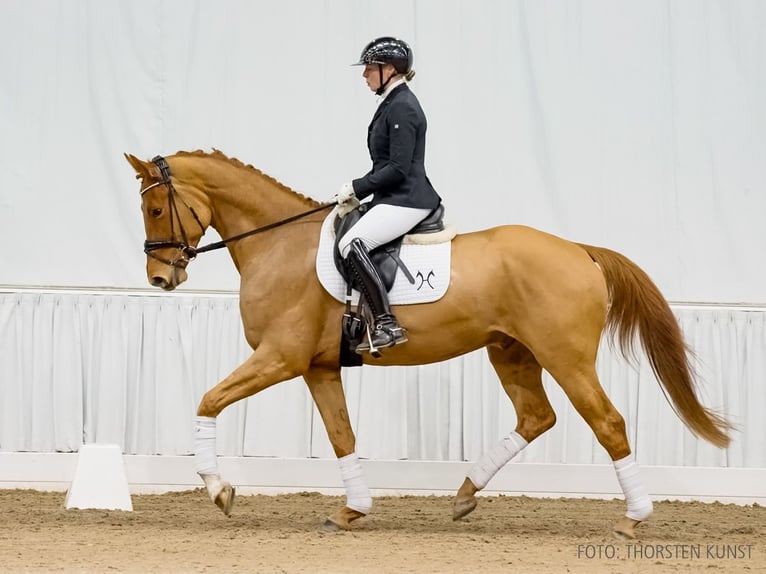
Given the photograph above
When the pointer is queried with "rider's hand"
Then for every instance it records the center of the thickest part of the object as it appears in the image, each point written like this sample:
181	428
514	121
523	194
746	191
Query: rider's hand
346	194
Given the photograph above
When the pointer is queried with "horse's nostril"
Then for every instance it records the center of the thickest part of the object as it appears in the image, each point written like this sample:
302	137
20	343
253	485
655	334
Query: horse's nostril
159	282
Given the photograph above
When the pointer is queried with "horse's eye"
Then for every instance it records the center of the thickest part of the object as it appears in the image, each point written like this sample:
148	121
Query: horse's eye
155	212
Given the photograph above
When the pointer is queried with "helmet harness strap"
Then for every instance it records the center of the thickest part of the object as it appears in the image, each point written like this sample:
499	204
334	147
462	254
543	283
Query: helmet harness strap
383	84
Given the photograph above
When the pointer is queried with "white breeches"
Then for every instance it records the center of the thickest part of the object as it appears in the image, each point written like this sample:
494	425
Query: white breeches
381	224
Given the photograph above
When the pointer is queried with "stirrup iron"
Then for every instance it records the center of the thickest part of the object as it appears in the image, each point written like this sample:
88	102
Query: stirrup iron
370	346
396	335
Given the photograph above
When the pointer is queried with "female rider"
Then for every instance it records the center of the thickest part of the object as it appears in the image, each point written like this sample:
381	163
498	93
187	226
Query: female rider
401	194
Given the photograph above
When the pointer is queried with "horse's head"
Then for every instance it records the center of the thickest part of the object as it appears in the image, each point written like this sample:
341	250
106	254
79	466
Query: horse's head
175	218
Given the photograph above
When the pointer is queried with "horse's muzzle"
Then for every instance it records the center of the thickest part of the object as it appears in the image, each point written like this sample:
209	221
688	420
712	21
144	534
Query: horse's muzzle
162	283
165	277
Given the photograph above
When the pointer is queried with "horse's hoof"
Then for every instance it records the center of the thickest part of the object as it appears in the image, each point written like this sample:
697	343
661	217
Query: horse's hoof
463	507
330	526
342	519
625	528
225	499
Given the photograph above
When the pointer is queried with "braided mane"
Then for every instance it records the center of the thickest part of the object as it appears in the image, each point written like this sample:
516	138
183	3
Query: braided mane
218	155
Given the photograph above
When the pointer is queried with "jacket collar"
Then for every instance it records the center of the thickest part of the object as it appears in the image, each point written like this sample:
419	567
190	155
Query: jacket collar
390	88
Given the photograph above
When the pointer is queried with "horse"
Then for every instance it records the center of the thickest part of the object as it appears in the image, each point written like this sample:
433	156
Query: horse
534	300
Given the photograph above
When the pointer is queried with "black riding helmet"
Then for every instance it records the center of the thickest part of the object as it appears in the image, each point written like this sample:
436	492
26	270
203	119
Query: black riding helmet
387	50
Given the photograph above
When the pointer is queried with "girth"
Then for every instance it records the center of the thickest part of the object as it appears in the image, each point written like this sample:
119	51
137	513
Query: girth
386	257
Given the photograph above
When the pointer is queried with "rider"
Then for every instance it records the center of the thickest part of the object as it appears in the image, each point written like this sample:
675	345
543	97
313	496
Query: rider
402	195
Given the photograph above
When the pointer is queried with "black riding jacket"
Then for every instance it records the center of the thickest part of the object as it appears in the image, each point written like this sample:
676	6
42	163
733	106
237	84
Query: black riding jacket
396	139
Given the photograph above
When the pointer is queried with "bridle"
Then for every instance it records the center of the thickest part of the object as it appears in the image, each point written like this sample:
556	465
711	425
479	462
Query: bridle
186	251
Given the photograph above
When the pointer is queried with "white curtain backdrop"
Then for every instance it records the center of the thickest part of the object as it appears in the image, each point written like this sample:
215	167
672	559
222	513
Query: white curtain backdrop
130	369
639	125
634	124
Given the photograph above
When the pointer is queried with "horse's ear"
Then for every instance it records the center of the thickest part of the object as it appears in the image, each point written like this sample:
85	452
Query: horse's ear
143	168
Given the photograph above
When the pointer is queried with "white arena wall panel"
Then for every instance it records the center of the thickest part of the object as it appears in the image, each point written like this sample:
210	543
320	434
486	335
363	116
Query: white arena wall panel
129	367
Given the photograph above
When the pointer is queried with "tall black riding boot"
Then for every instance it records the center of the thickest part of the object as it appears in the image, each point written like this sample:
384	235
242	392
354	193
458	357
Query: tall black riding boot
386	332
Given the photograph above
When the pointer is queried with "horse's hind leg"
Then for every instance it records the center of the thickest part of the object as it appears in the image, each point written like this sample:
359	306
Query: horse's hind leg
327	390
521	377
582	387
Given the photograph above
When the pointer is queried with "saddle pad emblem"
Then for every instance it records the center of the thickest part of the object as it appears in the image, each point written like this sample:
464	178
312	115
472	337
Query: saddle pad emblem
429	265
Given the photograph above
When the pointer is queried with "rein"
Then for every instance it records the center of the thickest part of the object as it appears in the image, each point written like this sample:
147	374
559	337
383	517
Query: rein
223	242
189	252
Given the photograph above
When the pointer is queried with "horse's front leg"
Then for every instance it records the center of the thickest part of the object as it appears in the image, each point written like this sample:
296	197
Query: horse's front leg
263	369
327	390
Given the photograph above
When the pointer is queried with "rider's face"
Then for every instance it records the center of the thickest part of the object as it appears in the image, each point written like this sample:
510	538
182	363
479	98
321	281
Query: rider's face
372	75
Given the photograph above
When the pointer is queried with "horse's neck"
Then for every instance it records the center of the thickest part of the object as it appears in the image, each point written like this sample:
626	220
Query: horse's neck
246	204
243	199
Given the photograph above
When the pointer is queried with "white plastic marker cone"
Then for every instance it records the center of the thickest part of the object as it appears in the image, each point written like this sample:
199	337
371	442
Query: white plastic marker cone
99	479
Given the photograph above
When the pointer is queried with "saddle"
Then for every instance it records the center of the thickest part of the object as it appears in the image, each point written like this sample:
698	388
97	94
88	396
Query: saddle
385	257
386	260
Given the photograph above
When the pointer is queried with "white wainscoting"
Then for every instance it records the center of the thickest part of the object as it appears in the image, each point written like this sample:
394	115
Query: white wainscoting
159	474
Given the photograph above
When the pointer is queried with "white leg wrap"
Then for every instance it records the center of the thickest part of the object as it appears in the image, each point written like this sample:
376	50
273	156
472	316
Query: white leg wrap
496	458
634	488
357	492
204	446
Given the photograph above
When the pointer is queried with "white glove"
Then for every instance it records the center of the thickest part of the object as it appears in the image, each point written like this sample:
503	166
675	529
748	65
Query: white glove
346	194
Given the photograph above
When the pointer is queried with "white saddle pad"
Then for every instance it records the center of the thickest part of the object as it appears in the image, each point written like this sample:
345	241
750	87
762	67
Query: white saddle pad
428	264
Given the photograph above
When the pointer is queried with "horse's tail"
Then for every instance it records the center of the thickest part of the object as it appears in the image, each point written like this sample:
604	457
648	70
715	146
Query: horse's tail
636	305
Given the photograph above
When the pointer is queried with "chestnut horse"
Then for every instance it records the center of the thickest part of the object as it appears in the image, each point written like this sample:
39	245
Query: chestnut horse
534	300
